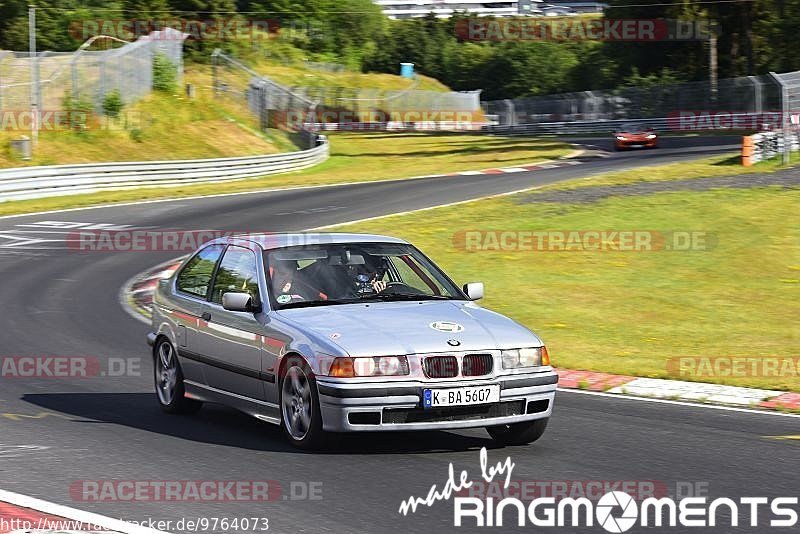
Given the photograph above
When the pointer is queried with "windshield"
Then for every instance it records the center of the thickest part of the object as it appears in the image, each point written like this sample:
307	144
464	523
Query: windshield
633	128
329	274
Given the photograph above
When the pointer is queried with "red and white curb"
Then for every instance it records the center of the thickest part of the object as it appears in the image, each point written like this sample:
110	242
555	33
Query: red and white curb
136	295
567	161
20	514
657	388
564	161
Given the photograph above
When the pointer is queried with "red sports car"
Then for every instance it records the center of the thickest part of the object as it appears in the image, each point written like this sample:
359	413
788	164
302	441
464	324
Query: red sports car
635	136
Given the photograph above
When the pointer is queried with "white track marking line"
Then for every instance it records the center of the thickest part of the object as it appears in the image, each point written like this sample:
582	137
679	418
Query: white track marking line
17	241
74	514
681	403
252	192
25	232
447	205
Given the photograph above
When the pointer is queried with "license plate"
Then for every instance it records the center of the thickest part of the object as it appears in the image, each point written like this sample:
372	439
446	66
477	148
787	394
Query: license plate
434	398
637	146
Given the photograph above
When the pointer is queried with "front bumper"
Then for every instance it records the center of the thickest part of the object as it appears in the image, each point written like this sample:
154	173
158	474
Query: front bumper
398	405
636	143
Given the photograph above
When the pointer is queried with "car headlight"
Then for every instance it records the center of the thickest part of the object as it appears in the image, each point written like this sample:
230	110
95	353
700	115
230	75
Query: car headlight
620	137
366	366
651	136
532	357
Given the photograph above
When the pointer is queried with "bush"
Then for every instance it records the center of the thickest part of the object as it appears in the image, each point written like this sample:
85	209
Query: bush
80	108
112	104
165	74
136	135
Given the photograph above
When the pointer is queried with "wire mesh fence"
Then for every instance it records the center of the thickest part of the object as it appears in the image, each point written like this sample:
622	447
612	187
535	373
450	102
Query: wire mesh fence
791	82
789	87
304	108
46	78
274	105
743	95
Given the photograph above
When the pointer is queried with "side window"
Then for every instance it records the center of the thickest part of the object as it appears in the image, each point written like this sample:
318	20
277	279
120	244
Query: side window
195	277
237	273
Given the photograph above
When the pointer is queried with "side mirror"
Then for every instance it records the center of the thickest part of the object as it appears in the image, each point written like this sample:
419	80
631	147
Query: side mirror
474	290
239	302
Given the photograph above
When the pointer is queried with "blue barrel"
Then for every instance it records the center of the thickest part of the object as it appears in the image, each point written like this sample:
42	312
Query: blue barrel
407	70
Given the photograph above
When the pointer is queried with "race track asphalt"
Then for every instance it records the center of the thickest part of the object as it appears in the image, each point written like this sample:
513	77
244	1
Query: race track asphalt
56	432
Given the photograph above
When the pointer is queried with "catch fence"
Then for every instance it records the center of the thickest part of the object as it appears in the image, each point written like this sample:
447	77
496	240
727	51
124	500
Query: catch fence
45	79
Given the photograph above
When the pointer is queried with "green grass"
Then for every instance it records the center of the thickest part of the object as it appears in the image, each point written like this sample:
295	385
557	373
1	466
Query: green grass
725	165
174	127
629	312
301	75
354	157
161	126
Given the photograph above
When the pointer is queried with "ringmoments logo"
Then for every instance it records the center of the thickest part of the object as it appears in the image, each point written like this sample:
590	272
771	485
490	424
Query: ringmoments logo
615	511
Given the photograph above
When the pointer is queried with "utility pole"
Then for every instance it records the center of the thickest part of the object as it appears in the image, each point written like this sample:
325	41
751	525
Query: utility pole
712	65
34	60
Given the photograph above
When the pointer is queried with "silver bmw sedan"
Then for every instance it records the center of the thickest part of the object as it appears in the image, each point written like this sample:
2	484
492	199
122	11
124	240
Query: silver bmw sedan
339	333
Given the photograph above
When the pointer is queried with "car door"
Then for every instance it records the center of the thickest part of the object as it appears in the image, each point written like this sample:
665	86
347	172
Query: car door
192	285
230	342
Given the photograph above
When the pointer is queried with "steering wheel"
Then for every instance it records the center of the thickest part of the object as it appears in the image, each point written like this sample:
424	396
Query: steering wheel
401	288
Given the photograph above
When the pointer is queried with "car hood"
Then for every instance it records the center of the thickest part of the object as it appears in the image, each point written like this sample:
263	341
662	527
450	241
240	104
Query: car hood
394	328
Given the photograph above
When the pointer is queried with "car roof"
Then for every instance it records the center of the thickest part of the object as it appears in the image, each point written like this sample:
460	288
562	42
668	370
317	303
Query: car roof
280	240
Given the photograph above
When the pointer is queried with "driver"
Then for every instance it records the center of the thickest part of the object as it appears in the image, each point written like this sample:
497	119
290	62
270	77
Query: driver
288	284
368	279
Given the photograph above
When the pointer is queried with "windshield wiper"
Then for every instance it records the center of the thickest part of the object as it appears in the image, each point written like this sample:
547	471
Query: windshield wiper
403	296
311	303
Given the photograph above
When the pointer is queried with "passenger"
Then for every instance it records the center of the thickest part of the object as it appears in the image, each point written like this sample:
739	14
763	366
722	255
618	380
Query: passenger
289	286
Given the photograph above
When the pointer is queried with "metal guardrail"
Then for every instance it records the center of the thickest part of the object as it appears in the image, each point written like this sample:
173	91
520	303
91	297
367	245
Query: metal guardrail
38	182
574	127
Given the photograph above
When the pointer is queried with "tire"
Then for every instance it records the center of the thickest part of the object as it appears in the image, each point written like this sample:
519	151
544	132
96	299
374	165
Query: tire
518	433
168	378
301	417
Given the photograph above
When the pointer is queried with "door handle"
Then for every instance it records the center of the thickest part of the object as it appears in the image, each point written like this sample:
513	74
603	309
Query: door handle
206	316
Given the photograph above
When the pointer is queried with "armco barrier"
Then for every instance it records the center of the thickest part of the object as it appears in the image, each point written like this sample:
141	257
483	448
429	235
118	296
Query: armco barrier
37	182
574	127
